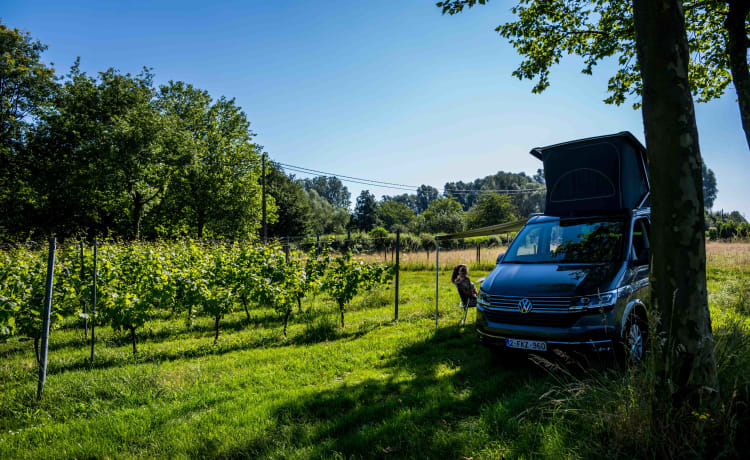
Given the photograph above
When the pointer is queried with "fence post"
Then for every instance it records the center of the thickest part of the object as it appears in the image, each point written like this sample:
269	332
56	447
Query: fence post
398	250
85	307
479	255
45	317
437	271
93	302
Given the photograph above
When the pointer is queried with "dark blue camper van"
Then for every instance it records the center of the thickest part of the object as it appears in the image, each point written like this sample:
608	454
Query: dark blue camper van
577	275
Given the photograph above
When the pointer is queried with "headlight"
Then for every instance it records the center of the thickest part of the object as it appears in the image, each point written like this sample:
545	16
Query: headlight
600	300
483	297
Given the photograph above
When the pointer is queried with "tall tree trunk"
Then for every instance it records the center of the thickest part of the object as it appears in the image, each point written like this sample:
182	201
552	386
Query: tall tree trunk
132	338
299	304
737	45
341	310
687	370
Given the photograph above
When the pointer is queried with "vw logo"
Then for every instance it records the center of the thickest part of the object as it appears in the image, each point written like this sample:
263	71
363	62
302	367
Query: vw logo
524	305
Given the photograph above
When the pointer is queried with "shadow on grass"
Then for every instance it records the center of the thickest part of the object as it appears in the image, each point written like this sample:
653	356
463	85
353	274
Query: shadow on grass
444	397
229	344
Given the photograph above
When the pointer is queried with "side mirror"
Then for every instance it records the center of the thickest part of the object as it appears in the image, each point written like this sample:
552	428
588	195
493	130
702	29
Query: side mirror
500	258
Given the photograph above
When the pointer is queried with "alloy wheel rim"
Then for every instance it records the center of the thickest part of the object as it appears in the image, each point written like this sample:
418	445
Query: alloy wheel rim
635	342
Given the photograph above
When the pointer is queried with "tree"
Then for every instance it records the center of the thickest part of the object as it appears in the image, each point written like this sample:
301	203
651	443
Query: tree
293	210
687	370
26	86
444	215
331	189
324	217
491	209
408	200
394	213
366	211
546	30
219	191
528	199
426	194
118	152
659	68
709	187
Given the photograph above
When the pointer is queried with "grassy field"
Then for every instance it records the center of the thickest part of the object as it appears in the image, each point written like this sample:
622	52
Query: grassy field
375	389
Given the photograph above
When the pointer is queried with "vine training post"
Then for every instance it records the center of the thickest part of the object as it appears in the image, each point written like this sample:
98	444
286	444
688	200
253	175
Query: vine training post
93	303
46	315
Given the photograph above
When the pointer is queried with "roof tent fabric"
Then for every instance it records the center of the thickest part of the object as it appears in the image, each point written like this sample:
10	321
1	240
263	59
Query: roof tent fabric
486	231
595	175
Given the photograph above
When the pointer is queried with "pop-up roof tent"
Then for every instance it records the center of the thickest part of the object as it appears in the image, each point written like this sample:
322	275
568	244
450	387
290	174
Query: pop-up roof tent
596	175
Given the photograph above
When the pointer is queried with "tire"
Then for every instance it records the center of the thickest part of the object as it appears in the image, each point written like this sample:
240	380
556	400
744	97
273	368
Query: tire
634	340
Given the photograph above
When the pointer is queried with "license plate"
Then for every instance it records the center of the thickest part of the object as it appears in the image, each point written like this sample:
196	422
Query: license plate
526	344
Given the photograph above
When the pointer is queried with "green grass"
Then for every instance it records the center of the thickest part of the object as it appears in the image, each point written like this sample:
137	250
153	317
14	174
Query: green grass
377	388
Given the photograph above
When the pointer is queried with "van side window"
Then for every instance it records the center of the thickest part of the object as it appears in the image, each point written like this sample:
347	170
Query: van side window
641	243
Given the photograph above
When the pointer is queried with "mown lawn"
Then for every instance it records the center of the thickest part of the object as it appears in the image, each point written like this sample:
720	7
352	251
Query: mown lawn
378	388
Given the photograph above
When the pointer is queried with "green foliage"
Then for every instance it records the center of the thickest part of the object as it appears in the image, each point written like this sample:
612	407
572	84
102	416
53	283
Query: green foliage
346	277
709	187
365	212
218	192
491	209
444	215
330	188
528	199
294	215
393	214
324	218
547	30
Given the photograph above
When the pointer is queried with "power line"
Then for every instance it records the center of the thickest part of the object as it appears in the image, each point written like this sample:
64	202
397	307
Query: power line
356	181
412	187
402	187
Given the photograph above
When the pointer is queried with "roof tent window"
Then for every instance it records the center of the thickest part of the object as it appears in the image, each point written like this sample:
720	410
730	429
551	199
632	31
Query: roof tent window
582	184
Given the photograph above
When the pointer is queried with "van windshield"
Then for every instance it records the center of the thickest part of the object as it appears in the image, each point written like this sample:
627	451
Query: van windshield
568	242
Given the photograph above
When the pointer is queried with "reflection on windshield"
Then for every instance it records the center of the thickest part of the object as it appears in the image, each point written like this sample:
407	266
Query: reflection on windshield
567	242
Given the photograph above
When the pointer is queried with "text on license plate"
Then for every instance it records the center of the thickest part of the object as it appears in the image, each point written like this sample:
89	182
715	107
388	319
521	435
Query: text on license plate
526	344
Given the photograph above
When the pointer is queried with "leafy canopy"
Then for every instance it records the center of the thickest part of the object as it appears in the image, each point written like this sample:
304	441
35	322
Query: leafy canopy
546	30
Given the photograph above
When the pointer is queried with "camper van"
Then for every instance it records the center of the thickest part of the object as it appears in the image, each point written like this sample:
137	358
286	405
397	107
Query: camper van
577	276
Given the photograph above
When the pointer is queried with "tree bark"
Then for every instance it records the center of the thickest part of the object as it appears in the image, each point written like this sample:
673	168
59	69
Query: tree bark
299	304
132	338
686	367
341	310
737	45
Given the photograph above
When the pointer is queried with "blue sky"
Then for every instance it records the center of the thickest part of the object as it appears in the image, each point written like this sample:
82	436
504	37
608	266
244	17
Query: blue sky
387	90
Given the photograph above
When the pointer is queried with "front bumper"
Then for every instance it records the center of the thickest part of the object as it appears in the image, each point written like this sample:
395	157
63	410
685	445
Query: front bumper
594	330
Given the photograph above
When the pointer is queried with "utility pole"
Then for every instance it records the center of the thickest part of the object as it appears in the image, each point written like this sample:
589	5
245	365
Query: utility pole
263	185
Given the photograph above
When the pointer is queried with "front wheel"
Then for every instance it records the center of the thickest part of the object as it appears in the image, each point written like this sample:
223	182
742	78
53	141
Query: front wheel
635	339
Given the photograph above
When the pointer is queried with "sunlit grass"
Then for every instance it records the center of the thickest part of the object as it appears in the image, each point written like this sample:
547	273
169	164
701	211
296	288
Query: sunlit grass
377	388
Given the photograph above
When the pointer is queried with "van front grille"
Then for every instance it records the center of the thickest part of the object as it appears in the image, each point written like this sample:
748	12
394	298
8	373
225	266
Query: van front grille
531	318
540	304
